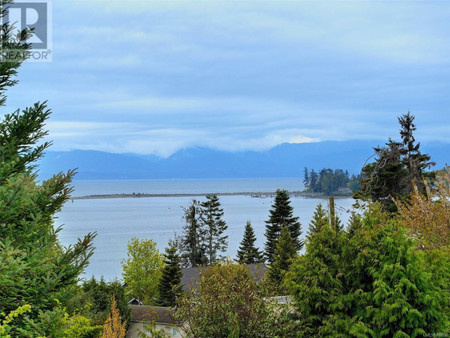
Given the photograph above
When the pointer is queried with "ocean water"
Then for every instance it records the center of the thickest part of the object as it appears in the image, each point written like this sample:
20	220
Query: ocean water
117	220
176	186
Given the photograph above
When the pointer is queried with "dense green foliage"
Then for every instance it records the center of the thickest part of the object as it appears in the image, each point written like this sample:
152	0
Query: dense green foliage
248	253
354	223
367	282
281	215
386	275
142	270
314	282
328	181
170	282
285	254
228	302
36	271
5	324
397	168
98	295
319	220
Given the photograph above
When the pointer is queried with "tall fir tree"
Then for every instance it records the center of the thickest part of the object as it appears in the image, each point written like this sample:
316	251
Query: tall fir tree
190	243
170	282
396	168
319	220
281	215
306	179
214	228
415	162
385	177
315	280
248	253
36	271
313	181
284	256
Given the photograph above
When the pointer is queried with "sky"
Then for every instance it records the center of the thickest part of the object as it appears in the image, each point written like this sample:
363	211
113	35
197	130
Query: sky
153	77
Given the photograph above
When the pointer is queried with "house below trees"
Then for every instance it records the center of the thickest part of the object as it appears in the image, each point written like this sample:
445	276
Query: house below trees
157	317
192	275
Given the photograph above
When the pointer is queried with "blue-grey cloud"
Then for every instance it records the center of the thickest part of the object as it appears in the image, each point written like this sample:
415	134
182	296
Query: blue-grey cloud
157	76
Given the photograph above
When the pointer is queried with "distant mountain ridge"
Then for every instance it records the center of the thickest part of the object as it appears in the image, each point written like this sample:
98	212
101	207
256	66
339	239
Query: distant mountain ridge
286	160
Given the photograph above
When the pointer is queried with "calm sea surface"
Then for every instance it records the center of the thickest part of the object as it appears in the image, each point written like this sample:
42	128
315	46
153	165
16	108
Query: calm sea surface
117	220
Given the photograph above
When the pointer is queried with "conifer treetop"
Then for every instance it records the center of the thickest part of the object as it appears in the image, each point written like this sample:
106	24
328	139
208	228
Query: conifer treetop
248	253
281	215
170	282
319	220
213	229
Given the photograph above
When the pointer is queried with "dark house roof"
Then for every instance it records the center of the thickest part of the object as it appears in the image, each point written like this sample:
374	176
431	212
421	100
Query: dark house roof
191	276
134	301
146	313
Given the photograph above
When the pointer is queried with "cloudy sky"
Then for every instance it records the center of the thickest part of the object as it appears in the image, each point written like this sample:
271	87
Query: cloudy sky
152	77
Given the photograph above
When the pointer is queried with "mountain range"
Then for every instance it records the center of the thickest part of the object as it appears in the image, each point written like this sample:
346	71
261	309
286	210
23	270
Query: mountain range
286	160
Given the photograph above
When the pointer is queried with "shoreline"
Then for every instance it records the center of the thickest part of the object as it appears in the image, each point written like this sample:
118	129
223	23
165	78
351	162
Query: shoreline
251	194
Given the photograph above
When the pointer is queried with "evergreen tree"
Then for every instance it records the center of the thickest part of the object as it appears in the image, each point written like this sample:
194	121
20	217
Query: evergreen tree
306	180
385	177
414	160
98	295
248	253
213	229
354	224
368	283
281	215
35	269
313	181
170	282
393	280
190	244
319	220
339	226
315	280
396	167
285	253
326	182
353	182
